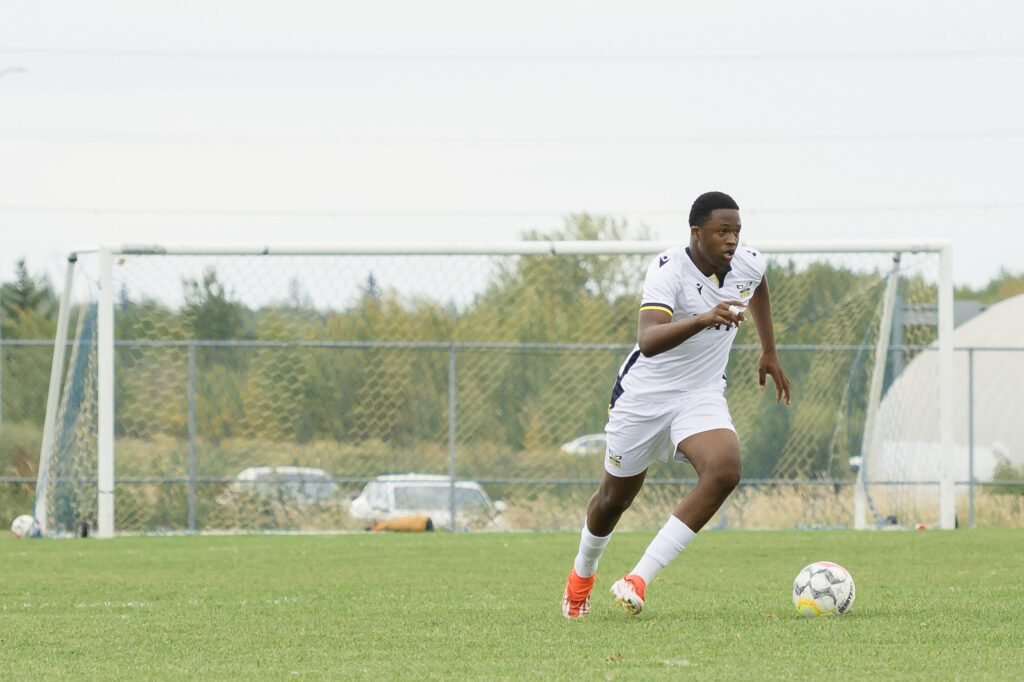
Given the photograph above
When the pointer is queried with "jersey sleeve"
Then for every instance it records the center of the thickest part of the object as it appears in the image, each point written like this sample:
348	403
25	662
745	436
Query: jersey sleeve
757	264
660	285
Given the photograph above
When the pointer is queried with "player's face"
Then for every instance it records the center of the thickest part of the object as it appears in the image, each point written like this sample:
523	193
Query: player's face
719	237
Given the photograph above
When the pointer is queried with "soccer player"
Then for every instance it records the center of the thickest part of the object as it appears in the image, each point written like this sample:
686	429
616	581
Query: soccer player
669	396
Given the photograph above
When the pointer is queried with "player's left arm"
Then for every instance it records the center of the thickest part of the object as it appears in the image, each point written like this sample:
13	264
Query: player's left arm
768	364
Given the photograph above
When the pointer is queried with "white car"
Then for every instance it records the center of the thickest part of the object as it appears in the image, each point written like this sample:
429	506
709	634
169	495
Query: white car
294	485
590	444
396	495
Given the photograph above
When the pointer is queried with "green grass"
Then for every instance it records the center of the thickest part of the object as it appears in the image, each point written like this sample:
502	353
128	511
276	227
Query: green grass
930	605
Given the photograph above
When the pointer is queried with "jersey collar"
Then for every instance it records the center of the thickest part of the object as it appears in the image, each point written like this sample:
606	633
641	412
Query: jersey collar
718	278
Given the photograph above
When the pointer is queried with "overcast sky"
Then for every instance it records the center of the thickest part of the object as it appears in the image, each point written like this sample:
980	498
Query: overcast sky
223	121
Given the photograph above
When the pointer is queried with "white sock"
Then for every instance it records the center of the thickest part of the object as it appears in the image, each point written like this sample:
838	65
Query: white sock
665	547
591	549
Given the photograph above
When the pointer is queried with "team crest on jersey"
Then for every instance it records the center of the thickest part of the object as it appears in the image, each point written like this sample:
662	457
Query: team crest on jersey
744	289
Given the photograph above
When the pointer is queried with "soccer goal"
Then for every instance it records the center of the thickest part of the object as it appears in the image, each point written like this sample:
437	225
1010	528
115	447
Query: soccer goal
199	389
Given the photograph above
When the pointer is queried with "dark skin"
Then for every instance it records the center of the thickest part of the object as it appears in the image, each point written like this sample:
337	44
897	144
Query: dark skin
715	454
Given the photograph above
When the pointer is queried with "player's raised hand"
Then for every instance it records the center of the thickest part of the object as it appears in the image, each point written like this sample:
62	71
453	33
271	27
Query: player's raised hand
767	364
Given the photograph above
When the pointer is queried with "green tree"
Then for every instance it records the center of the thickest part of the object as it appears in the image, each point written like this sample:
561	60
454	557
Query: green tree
545	299
1006	471
210	315
28	304
209	312
1003	286
29	311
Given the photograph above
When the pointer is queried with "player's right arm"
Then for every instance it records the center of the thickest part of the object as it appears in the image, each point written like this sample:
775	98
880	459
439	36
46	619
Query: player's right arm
657	333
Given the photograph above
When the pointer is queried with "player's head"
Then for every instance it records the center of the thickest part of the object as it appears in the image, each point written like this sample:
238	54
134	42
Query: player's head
706	203
714	230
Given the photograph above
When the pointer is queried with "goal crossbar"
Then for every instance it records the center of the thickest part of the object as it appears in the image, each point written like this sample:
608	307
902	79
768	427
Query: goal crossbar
539	247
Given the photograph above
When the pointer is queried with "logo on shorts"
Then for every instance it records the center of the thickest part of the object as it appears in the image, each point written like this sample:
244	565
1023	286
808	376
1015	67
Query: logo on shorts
614	460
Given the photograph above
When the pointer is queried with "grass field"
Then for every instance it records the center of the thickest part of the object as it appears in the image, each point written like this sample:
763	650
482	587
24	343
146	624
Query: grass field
931	605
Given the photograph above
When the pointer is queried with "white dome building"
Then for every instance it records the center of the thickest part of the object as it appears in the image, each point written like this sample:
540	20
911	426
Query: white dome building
909	433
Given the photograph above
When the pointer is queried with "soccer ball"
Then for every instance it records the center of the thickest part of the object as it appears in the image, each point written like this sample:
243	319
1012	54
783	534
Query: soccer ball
25	526
822	588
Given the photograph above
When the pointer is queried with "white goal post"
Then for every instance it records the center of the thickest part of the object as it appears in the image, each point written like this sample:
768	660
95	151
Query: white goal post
88	392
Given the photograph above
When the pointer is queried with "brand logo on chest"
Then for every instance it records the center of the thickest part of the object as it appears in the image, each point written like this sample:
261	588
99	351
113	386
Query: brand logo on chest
744	288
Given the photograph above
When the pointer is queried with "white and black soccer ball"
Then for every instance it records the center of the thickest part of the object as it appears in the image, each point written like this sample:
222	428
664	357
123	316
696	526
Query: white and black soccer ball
822	588
25	526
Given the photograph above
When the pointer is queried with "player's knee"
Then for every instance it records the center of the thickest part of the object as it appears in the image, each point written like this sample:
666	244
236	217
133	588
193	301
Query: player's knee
724	476
613	502
731	478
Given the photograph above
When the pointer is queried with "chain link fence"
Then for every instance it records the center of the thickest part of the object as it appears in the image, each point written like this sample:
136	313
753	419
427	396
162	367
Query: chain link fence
169	482
467	367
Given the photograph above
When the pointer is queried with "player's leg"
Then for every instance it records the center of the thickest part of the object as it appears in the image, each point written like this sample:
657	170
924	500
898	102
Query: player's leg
715	455
637	432
613	497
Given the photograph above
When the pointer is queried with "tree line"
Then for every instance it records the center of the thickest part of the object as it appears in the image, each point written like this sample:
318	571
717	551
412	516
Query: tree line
514	393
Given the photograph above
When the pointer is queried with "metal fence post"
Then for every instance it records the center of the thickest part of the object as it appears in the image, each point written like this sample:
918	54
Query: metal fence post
970	437
191	436
451	431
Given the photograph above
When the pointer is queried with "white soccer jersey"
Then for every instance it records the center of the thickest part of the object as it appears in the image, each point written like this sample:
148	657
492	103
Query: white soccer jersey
675	285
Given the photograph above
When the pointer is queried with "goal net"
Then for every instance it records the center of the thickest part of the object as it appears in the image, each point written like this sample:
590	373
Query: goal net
197	390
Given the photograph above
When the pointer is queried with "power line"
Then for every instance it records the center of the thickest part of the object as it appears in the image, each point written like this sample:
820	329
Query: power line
893	208
496	213
498	140
511	57
286	212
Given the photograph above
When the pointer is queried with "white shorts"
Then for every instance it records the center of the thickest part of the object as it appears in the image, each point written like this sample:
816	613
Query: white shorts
637	432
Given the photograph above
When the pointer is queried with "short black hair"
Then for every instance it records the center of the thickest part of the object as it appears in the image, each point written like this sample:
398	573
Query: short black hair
708	202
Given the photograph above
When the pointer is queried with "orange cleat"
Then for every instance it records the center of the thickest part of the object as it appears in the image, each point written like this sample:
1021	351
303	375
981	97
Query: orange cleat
629	593
576	599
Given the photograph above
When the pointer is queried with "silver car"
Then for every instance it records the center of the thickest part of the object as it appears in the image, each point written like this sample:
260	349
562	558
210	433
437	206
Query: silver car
590	444
293	485
396	495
